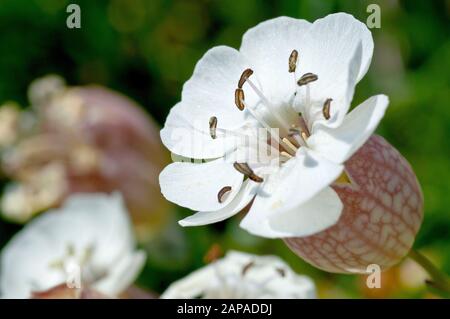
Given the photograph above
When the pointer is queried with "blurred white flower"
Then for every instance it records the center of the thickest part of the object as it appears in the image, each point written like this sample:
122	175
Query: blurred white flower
243	276
88	243
43	188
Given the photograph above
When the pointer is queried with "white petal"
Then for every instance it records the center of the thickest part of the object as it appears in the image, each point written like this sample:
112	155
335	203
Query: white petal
24	265
122	274
245	195
299	180
196	186
268	46
187	134
341	143
317	214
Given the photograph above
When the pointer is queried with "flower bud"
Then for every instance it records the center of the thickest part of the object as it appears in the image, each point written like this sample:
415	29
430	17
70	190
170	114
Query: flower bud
383	211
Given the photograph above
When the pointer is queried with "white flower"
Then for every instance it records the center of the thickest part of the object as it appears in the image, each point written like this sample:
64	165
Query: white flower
90	237
299	78
243	276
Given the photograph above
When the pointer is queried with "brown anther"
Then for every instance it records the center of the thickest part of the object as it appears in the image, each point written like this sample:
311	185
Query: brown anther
222	193
247	267
239	98
243	168
245	75
307	78
293	61
326	108
212	127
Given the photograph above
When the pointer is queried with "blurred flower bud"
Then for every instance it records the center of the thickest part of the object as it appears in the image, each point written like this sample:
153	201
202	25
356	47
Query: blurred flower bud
383	211
63	292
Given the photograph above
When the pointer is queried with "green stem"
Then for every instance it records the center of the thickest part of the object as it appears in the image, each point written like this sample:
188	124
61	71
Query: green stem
439	280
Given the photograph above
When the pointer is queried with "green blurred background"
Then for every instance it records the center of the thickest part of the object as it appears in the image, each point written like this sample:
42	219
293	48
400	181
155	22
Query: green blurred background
148	49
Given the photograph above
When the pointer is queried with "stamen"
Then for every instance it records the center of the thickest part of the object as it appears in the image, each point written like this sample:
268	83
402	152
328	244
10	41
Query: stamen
222	193
304	136
293	61
307	78
213	127
281	271
247	267
239	98
245	75
243	168
326	108
266	102
289	144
